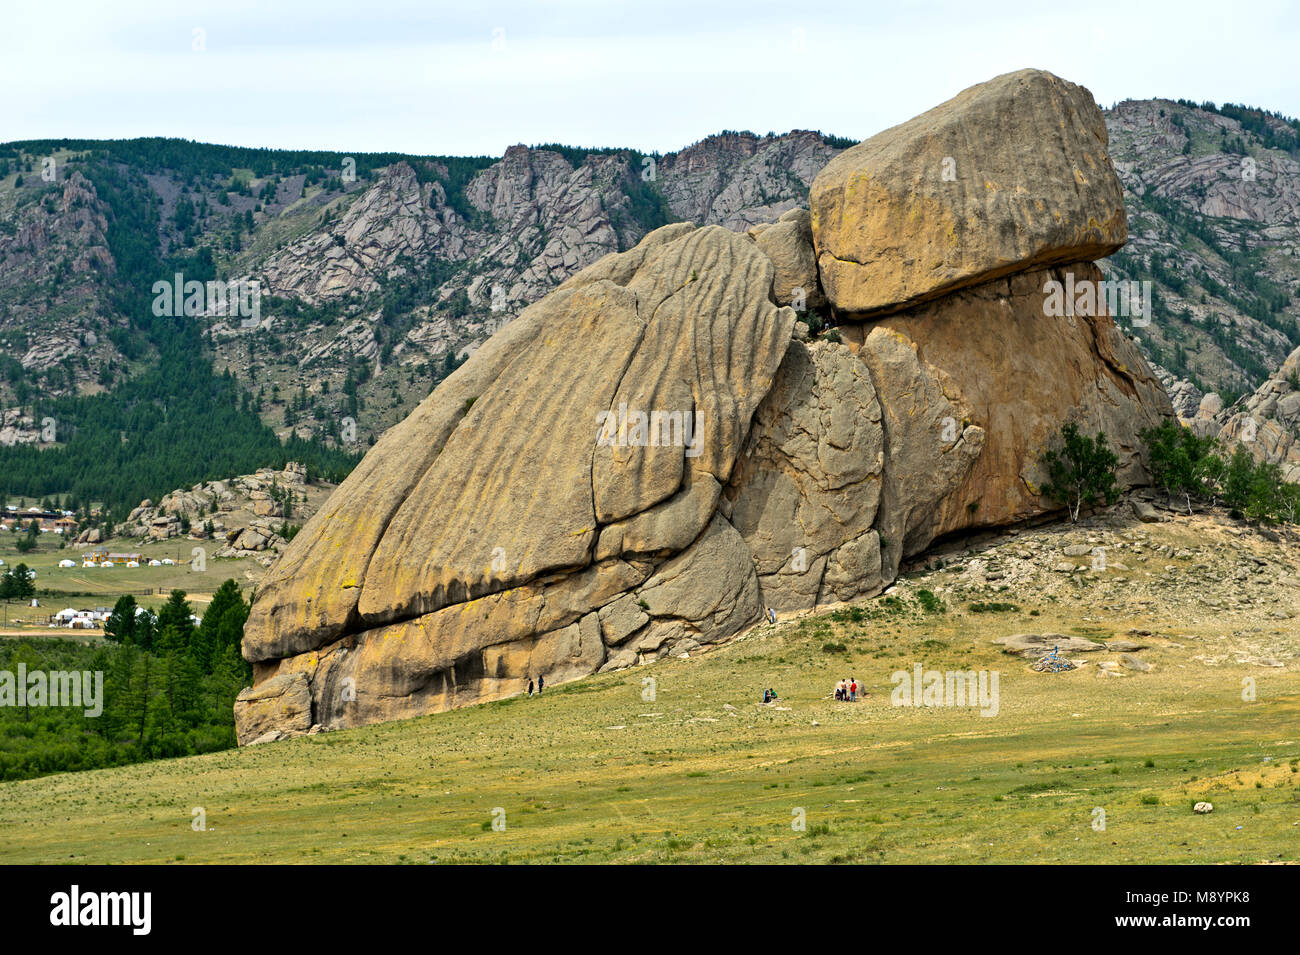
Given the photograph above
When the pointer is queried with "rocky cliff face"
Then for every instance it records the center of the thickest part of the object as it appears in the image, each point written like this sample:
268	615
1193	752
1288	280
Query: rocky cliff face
397	218
1266	423
55	316
1213	197
375	284
653	453
526	224
738	180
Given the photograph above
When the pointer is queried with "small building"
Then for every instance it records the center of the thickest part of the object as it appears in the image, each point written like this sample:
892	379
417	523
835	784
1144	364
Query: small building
58	521
67	563
79	619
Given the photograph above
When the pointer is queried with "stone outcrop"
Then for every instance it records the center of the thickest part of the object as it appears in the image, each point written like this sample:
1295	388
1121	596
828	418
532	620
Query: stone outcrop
54	237
396	218
479	541
788	242
1008	174
245	515
807	491
275	708
1201	185
654	453
1264	423
1267	422
738	180
1016	374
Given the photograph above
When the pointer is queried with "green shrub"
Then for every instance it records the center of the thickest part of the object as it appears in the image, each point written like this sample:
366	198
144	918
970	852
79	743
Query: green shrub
1182	464
1192	468
1081	473
993	607
929	602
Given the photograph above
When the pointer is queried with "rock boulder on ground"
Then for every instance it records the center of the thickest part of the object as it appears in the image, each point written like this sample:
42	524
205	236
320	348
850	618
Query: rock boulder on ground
280	705
649	457
575	457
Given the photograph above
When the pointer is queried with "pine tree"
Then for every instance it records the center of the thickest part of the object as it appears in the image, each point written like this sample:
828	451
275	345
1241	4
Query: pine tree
175	628
120	627
222	626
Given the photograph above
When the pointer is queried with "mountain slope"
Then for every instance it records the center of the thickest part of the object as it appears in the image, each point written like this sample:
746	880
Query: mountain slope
381	273
1214	224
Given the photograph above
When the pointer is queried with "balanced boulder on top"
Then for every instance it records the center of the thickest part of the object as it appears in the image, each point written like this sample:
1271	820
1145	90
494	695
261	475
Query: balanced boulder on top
1007	175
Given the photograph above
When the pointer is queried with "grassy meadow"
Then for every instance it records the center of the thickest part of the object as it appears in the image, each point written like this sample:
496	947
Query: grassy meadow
690	768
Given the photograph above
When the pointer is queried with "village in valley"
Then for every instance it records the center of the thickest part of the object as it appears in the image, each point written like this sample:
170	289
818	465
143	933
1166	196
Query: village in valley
79	563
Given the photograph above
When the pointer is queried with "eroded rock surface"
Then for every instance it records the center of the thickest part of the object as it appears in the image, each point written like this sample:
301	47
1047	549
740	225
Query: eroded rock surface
810	481
788	242
1008	174
578	455
1267	423
999	364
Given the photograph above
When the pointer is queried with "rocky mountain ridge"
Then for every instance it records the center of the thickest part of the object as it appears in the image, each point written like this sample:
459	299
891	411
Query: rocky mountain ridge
379	284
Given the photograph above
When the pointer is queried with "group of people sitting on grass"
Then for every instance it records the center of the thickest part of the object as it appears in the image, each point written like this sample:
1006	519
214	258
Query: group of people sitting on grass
847	690
769	696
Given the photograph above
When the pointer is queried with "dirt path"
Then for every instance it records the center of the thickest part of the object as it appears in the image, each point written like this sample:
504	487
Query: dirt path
50	632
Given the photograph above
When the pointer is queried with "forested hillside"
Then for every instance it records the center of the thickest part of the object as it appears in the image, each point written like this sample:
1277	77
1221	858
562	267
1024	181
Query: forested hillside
166	689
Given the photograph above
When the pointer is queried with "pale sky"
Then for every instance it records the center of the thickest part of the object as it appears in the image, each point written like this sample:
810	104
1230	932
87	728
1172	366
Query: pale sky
476	76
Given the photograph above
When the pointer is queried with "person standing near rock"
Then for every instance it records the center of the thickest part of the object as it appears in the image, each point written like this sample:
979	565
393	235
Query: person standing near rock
541	682
530	686
853	689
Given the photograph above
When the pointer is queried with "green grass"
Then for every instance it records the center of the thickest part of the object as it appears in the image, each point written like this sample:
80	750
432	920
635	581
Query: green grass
101	586
591	773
